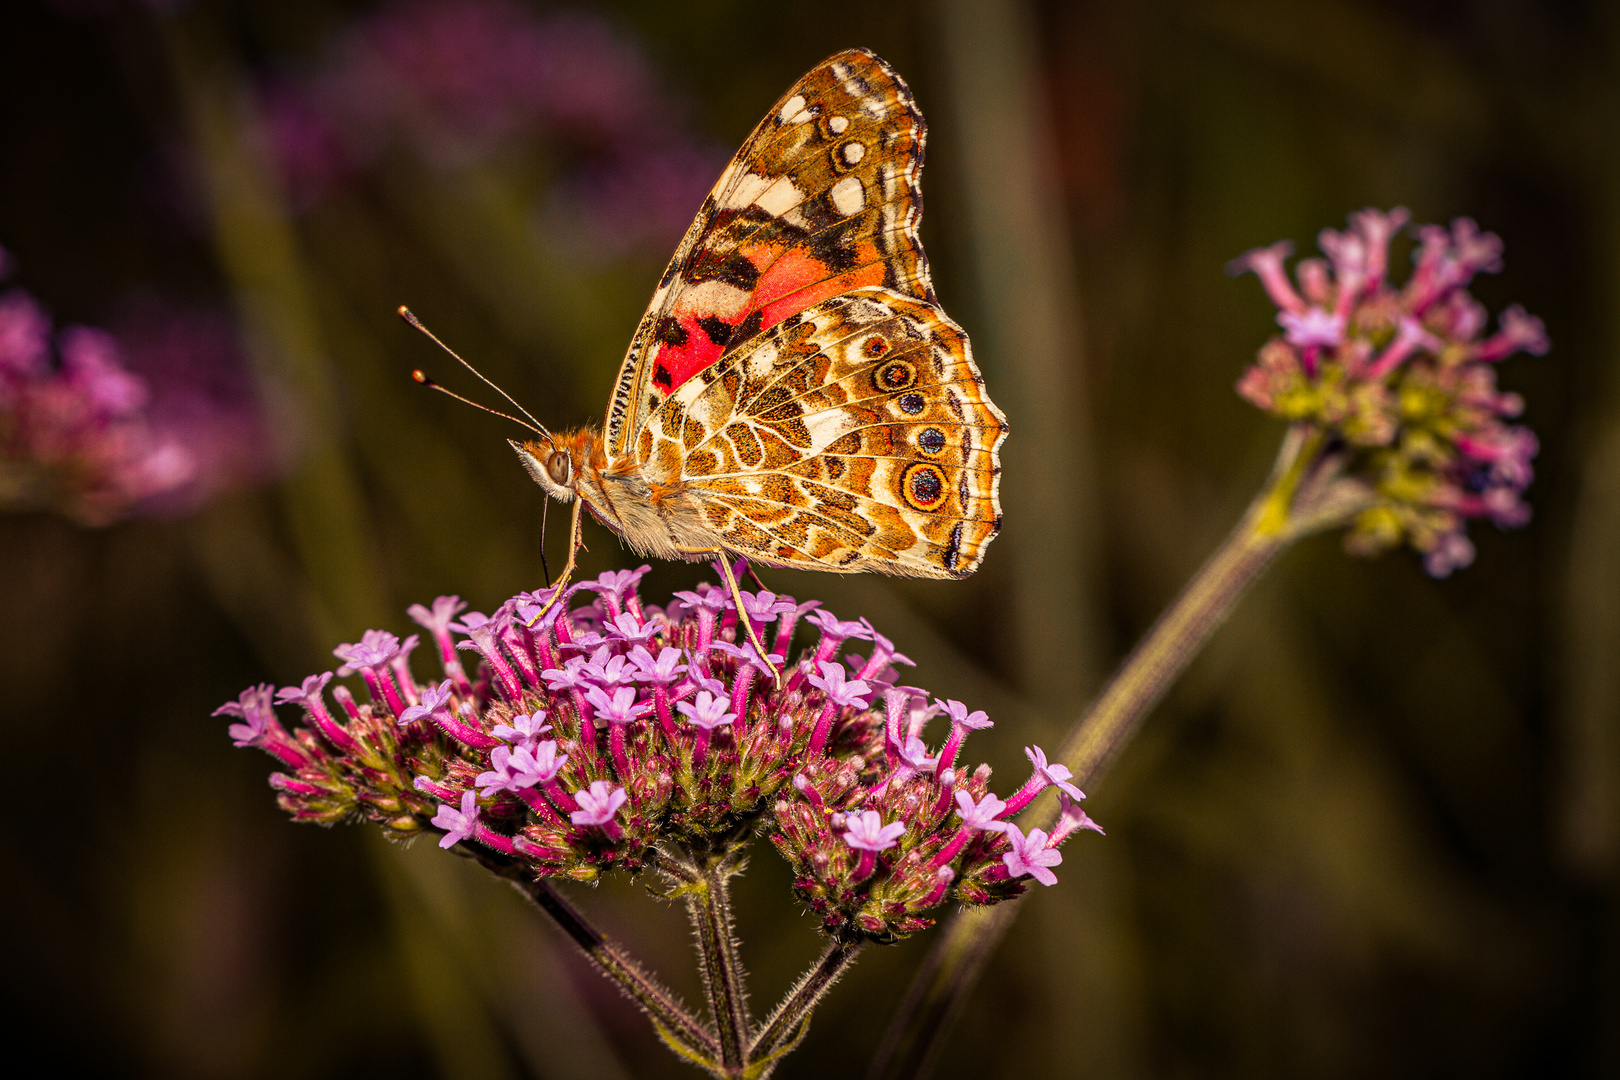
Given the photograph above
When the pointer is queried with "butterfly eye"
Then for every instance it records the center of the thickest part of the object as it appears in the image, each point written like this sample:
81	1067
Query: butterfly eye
558	468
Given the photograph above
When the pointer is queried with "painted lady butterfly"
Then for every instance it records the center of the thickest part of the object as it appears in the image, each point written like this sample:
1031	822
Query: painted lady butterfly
794	394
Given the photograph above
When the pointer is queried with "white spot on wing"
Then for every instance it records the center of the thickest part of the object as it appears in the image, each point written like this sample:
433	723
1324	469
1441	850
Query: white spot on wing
746	191
853	152
795	112
710	298
847	196
779	198
687	393
838	124
826	428
762	361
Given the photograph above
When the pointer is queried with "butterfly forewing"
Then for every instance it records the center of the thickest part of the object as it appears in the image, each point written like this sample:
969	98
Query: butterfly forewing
794	394
820	200
852	436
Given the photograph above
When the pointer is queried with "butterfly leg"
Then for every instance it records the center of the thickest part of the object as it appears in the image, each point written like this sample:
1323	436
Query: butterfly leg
561	588
742	612
748	624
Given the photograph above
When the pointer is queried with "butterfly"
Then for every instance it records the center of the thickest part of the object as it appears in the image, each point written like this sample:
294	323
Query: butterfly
794	394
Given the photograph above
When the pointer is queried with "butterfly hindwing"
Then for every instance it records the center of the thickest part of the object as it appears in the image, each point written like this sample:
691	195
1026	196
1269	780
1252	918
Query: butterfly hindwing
821	199
855	435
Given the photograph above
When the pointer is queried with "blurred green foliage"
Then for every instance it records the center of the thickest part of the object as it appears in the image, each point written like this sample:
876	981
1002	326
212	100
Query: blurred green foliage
1375	832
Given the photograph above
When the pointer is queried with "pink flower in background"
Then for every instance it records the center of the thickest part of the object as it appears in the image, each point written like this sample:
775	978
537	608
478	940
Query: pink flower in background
304	145
100	427
1403	379
458	824
640	196
204	396
458	82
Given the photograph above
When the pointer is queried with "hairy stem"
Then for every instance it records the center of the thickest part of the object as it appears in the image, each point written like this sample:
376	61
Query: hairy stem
654	999
708	902
680	872
789	1016
1305	494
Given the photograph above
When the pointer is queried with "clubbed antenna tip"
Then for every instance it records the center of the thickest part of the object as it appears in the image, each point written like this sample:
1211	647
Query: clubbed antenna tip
529	422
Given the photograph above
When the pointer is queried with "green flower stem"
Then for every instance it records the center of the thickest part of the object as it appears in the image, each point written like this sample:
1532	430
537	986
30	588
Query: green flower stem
1182	631
787	1022
708	902
1306	493
675	1023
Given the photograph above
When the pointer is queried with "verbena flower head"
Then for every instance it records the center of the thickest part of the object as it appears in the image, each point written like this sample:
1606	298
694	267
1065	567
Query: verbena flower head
583	744
1404	378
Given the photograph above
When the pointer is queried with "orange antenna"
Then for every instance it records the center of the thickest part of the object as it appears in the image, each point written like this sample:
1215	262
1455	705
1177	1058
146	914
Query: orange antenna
533	424
422	377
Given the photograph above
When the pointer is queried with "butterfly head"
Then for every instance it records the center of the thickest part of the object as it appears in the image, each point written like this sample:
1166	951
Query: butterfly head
550	464
566	464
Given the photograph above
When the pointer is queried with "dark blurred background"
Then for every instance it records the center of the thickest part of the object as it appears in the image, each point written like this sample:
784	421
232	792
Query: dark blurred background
1375	831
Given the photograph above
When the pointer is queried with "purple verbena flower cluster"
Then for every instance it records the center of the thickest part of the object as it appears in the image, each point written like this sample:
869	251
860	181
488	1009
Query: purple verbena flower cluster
613	728
1404	377
878	836
461	82
100	428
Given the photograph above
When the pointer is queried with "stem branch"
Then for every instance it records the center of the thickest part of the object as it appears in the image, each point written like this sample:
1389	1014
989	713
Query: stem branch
1304	494
791	1014
708	903
654	999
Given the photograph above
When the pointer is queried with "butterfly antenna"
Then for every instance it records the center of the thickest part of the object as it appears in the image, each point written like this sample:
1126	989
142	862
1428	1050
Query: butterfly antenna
533	424
427	381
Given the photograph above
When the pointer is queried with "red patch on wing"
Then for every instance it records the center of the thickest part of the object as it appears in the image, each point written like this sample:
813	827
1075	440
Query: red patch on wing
814	292
675	364
786	269
790	282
